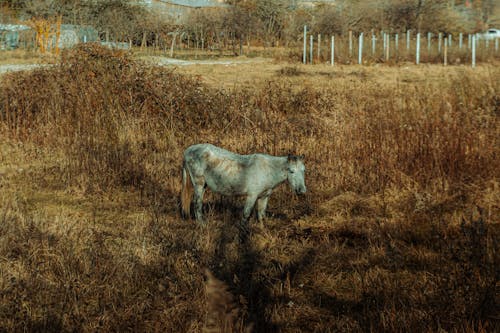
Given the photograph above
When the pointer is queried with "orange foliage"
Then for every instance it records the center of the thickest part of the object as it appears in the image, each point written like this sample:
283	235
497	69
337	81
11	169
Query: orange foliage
45	31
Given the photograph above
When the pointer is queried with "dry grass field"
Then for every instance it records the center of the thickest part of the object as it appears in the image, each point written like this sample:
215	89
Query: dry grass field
399	230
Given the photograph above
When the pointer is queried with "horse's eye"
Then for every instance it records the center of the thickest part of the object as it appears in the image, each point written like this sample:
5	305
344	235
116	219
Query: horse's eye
291	171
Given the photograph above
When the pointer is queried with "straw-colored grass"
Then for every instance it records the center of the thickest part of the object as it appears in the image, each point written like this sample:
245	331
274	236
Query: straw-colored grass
399	230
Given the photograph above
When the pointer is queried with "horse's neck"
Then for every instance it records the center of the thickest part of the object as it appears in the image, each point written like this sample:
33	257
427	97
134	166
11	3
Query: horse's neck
279	169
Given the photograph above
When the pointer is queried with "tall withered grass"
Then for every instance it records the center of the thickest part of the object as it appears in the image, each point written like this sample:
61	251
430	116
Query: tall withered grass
399	230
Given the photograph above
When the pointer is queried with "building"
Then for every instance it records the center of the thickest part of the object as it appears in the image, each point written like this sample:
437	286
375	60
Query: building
12	34
179	9
74	34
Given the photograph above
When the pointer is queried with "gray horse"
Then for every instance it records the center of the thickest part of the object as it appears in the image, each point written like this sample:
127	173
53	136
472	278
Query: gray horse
253	176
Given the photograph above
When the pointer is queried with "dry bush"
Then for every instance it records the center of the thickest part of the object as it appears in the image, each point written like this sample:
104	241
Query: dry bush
81	105
389	237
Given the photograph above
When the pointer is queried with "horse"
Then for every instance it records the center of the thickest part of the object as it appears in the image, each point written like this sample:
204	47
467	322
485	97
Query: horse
253	176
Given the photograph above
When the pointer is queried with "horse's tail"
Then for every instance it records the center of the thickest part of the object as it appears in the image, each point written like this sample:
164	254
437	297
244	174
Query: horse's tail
186	192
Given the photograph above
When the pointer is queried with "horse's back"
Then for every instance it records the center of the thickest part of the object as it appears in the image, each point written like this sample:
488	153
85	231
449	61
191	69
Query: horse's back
214	157
206	153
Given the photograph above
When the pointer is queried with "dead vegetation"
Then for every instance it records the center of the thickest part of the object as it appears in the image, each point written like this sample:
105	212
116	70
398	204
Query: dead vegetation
398	233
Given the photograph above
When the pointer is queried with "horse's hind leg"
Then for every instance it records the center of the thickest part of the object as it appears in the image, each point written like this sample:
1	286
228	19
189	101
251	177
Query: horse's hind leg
247	210
199	190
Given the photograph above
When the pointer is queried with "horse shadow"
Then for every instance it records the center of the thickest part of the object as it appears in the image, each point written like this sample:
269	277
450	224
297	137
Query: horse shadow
243	278
222	206
239	276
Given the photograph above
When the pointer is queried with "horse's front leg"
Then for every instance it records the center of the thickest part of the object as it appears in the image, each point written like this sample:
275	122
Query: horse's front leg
247	210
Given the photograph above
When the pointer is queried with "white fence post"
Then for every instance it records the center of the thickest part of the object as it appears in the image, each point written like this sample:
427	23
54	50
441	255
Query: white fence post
473	51
319	48
417	60
304	56
469	41
440	42
374	39
350	43
360	50
384	43
449	40
460	40
388	47
445	52
408	40
429	37
332	55
396	43
311	49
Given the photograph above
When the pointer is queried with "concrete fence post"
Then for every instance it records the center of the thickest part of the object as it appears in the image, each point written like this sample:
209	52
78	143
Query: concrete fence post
445	58
374	41
304	55
396	42
319	48
384	41
350	43
408	40
360	50
311	49
332	55
417	55
387	47
473	45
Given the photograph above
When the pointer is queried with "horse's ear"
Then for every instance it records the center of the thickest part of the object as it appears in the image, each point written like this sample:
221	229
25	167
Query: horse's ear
292	158
301	157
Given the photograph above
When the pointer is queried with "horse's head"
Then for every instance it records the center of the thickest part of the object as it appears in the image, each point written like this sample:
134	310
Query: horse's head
295	173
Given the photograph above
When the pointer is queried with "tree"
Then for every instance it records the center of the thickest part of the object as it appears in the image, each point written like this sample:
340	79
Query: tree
241	19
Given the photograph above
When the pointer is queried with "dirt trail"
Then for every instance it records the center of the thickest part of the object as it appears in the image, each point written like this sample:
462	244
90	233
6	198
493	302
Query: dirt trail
20	67
161	61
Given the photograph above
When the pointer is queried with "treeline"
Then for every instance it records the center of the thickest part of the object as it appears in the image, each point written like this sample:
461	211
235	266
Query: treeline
269	22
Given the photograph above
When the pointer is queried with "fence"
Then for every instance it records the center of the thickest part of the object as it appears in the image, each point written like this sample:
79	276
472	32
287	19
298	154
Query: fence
406	47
